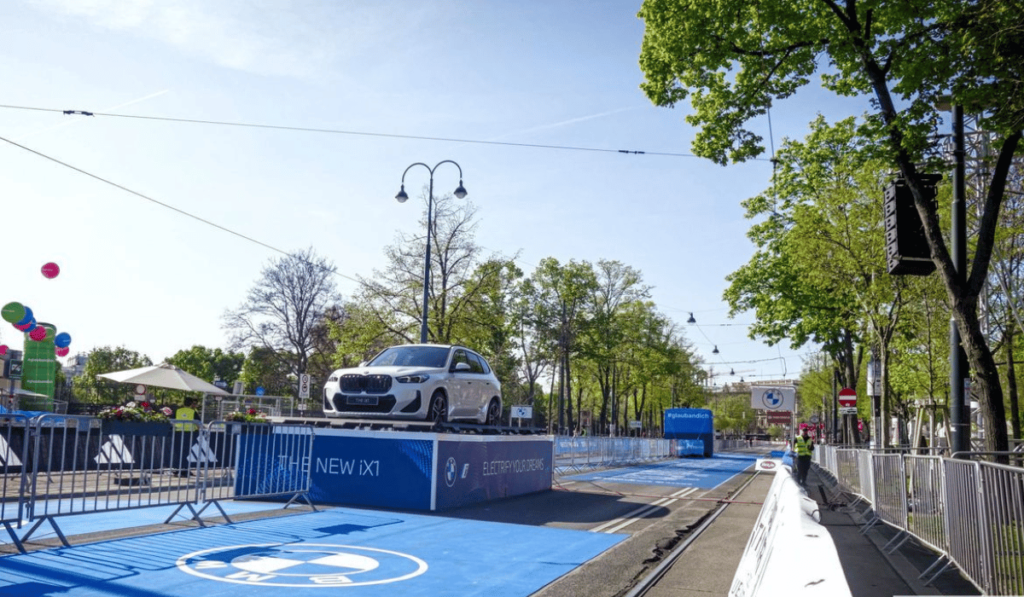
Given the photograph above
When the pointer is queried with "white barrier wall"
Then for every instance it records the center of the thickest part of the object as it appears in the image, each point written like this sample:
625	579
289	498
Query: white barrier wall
789	552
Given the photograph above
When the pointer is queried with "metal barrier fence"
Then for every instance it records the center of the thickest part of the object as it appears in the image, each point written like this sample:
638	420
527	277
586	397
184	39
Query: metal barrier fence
971	513
12	474
927	501
578	453
57	465
890	499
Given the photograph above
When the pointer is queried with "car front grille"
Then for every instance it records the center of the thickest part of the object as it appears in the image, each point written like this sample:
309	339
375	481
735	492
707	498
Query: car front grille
353	383
384	405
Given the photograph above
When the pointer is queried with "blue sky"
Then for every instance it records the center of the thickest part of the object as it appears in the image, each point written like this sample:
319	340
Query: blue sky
557	73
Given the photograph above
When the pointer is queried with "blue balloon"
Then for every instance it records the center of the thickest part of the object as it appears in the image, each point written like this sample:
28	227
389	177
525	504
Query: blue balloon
62	340
27	318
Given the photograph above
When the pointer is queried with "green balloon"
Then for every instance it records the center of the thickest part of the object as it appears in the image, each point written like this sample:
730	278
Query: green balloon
13	312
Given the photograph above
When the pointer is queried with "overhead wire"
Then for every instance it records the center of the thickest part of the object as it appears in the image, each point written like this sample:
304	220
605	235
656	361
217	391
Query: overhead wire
357	133
156	201
327	131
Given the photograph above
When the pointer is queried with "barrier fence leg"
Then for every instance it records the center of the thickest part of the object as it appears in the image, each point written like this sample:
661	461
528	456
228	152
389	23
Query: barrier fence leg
14	537
938	561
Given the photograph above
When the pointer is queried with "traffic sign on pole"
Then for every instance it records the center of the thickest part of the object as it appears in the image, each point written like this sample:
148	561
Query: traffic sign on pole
847	401
847	397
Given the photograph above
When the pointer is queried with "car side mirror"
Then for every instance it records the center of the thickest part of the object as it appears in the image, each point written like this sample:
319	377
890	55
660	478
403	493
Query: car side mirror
461	367
363	363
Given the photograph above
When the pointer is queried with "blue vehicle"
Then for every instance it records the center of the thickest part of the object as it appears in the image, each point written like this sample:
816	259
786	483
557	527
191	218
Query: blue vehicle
693	429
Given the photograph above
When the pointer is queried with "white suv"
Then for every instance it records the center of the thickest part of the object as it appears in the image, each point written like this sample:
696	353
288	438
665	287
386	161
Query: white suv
417	381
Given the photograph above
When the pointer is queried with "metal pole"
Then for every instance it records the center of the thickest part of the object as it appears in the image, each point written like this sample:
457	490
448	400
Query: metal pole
426	260
958	410
402	196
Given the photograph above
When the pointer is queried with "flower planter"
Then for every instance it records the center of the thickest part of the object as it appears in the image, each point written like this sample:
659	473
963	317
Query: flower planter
250	428
150	428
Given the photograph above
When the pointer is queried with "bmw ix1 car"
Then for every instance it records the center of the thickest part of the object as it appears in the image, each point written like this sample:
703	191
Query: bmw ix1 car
429	382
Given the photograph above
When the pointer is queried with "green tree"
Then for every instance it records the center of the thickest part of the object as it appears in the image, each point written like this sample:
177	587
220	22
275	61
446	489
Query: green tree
618	287
264	368
284	308
395	294
96	390
209	364
732	59
561	295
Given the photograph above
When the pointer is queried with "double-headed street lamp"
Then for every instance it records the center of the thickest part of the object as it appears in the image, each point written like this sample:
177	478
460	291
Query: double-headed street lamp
402	197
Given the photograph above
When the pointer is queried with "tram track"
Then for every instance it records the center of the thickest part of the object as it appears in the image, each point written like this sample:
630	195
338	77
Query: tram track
650	577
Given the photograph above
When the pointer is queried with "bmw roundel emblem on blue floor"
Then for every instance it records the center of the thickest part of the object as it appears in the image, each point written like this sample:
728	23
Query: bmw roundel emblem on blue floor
377	554
302	565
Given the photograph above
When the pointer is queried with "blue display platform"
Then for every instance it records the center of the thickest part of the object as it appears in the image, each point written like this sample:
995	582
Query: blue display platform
372	553
705	473
419	471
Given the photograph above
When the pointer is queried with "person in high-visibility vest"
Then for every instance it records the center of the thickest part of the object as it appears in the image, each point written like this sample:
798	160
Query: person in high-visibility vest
803	447
186	413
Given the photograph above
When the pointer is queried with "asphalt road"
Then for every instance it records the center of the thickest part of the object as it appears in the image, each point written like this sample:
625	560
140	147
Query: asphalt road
656	517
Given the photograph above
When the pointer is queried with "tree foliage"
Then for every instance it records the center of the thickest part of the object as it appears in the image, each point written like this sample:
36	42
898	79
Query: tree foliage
92	389
209	364
733	59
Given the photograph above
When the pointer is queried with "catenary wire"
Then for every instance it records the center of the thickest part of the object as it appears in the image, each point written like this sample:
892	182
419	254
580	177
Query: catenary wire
359	133
243	236
311	130
157	201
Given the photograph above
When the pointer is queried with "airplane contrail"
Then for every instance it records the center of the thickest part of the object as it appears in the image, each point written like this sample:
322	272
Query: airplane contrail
553	125
74	121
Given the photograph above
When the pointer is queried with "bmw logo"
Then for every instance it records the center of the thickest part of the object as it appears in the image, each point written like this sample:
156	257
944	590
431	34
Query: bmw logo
301	565
451	472
772	399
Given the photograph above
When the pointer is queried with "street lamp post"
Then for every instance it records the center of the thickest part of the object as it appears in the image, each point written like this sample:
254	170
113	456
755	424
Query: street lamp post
402	197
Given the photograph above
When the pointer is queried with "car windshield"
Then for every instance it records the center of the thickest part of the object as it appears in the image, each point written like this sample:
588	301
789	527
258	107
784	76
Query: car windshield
411	356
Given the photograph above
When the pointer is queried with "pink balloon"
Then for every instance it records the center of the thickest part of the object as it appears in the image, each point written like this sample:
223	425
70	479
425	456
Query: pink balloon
51	270
3	349
38	334
63	352
26	327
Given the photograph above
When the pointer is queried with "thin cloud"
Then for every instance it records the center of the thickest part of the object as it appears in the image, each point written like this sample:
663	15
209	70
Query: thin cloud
554	125
266	38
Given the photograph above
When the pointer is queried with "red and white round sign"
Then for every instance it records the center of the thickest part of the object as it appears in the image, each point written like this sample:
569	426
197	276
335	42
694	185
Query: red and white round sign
847	397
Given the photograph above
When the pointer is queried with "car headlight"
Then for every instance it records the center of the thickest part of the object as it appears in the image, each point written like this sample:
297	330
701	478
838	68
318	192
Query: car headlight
332	378
416	378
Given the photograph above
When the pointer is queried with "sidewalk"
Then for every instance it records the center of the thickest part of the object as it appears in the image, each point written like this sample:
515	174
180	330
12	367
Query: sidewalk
870	571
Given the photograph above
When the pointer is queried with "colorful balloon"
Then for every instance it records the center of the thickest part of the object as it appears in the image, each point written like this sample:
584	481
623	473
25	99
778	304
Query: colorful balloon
62	340
13	312
29	317
38	333
63	352
3	349
26	327
51	270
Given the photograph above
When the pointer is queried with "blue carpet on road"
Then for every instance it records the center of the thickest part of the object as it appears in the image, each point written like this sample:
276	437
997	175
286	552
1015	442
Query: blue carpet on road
704	473
375	553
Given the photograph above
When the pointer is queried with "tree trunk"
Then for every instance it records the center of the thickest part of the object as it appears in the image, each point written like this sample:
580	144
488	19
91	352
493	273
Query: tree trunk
983	365
1011	382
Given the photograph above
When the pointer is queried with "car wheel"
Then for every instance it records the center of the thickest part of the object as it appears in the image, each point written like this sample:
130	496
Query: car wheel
493	417
438	409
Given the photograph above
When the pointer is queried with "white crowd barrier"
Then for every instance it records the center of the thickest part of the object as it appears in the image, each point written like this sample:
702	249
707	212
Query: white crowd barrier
573	454
789	552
